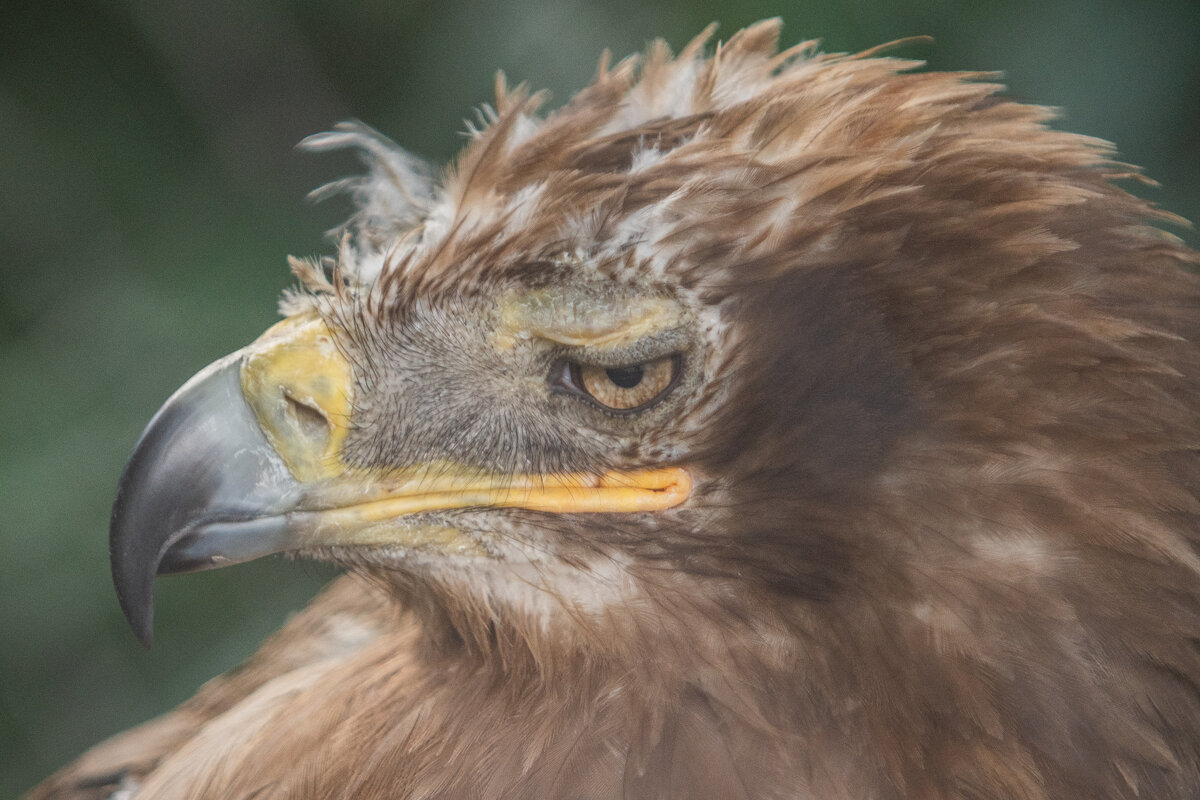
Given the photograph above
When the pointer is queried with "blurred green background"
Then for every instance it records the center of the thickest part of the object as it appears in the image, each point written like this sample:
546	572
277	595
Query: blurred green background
149	192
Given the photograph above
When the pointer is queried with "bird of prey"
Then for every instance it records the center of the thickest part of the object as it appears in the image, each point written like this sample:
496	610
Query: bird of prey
760	424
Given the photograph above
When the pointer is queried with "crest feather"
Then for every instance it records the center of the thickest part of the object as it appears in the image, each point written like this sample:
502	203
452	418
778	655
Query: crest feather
393	197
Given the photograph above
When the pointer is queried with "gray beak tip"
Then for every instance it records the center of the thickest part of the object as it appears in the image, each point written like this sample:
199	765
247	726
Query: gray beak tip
132	578
137	603
203	488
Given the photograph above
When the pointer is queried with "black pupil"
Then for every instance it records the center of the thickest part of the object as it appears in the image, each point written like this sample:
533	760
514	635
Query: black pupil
625	377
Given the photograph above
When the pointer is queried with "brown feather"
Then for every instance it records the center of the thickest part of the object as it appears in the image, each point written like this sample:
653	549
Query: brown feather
943	541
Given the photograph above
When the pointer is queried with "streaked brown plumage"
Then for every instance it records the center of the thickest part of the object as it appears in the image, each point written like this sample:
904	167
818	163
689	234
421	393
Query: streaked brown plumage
938	395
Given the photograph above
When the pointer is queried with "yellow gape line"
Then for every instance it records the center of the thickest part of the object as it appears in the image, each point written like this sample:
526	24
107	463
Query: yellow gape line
642	490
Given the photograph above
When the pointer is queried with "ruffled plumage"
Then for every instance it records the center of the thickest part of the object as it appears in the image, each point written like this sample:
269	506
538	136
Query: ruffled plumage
947	446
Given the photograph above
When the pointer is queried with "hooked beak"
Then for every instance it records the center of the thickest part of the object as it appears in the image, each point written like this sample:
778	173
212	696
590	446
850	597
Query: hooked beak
245	460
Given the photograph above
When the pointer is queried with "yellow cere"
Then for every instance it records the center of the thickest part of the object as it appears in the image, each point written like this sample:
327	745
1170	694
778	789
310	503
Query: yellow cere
583	318
300	388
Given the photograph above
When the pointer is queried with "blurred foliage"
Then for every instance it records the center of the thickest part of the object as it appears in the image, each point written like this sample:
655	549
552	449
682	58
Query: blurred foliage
150	193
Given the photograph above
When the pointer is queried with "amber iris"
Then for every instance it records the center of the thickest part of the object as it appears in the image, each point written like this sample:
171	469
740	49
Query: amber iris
626	388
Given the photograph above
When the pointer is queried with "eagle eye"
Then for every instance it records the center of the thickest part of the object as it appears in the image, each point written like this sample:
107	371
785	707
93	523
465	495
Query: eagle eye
623	389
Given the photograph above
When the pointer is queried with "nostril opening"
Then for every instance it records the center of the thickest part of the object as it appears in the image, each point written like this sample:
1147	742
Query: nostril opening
310	420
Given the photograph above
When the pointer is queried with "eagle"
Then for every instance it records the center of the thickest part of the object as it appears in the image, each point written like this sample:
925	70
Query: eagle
760	424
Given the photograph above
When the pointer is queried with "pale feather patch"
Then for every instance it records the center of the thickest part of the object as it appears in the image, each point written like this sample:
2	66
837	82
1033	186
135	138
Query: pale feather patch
646	157
523	206
1017	554
544	589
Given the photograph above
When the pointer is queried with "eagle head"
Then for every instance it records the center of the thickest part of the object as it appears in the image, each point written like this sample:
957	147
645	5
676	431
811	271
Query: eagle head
844	415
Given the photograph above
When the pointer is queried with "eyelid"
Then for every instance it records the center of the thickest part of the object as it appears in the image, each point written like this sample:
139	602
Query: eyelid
586	315
651	348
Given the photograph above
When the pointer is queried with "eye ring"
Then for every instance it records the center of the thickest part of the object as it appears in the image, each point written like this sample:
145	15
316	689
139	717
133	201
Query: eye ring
621	390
